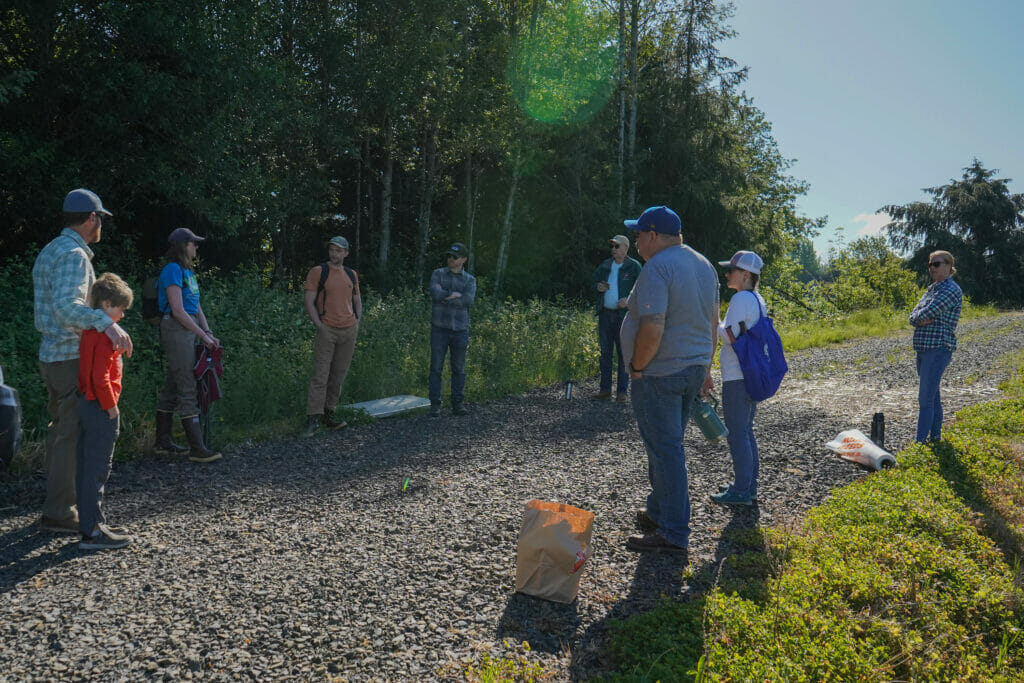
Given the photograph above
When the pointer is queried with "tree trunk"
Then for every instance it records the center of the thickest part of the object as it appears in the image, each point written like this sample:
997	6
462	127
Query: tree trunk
384	245
506	228
621	168
634	100
471	197
428	173
359	200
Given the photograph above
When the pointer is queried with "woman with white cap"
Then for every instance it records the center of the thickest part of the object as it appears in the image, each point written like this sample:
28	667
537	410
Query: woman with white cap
182	323
746	307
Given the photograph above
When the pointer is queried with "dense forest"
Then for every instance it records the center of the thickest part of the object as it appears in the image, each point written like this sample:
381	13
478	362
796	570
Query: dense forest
527	129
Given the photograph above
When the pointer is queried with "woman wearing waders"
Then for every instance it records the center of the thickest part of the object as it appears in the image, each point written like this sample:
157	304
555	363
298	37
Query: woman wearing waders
182	323
742	273
934	319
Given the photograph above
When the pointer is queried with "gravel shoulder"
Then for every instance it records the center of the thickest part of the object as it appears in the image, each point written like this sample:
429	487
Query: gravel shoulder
307	560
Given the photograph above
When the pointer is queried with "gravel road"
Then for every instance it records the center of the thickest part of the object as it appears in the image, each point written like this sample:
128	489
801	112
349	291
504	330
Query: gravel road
298	560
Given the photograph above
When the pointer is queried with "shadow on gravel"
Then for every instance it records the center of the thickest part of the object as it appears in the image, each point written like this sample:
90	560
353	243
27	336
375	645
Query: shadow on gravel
657	578
19	560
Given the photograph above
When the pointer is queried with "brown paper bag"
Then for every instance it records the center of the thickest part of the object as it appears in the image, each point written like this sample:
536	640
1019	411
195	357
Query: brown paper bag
554	542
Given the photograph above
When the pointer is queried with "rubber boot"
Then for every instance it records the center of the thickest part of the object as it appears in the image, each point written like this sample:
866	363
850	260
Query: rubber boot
197	451
164	420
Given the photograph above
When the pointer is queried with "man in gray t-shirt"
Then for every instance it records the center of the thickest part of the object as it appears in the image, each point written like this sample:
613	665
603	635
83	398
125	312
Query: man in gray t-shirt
668	337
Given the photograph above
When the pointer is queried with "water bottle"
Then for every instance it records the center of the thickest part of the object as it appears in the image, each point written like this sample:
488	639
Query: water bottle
706	417
878	430
568	390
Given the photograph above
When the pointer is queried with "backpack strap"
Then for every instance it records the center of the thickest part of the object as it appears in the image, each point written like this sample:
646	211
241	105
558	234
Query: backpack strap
325	270
320	291
351	276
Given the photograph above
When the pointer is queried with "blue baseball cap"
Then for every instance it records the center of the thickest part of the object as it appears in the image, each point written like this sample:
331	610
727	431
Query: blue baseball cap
659	219
84	201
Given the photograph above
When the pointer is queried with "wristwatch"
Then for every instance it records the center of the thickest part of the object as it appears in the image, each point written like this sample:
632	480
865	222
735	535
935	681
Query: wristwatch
632	369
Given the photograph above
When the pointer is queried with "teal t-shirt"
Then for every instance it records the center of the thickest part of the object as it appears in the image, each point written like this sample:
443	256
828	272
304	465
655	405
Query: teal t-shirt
176	274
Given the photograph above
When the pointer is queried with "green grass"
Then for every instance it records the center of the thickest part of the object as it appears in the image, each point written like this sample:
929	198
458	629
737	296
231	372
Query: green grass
908	574
804	334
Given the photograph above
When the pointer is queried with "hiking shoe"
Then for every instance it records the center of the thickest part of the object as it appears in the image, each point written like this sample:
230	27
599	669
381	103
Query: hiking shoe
435	409
725	487
459	409
654	543
644	521
312	425
602	396
621	397
729	498
59	526
106	539
333	424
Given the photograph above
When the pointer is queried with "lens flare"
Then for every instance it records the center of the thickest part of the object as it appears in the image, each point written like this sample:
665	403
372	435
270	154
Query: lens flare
562	70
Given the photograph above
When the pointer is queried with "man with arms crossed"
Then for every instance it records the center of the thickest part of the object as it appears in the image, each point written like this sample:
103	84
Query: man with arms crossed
668	337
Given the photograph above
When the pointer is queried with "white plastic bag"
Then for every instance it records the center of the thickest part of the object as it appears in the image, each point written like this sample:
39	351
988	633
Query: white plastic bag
852	445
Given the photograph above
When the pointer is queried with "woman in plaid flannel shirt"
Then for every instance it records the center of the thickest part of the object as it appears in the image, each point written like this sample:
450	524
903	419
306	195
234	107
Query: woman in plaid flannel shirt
934	319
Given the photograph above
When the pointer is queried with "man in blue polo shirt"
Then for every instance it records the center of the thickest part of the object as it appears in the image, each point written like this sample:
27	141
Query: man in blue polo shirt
668	338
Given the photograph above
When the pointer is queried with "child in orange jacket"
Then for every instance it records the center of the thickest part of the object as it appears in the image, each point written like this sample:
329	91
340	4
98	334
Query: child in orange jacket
99	423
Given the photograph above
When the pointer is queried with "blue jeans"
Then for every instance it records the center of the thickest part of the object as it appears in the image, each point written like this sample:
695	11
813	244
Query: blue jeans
739	411
608	324
662	408
930	366
443	340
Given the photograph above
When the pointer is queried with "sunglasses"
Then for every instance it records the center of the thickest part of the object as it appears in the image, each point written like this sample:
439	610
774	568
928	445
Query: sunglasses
936	264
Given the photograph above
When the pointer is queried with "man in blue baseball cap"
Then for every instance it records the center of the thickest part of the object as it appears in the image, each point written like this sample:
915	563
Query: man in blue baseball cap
62	276
668	338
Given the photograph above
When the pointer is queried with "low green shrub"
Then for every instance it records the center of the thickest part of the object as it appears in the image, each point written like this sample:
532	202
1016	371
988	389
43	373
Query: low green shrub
909	574
268	340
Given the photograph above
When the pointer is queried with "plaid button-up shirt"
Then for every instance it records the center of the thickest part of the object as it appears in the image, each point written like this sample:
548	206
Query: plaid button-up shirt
62	276
452	314
941	304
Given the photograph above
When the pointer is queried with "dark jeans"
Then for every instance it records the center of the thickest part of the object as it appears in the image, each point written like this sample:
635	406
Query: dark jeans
443	340
930	366
662	408
608	324
97	435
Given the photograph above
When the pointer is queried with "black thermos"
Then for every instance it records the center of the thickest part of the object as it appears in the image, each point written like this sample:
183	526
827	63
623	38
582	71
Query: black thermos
878	429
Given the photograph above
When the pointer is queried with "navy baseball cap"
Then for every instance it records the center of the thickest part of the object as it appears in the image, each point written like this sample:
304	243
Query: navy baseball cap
84	201
659	219
183	235
458	249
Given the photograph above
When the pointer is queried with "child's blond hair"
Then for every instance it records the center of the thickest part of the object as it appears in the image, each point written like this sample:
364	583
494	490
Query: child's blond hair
112	289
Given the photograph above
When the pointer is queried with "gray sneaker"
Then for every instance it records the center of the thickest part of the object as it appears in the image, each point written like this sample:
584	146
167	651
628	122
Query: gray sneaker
106	539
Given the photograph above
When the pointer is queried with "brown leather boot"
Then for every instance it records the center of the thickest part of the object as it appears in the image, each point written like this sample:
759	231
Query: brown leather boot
198	452
164	420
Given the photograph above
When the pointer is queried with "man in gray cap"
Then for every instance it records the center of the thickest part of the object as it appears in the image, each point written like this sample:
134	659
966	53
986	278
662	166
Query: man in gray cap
453	292
62	276
614	280
333	304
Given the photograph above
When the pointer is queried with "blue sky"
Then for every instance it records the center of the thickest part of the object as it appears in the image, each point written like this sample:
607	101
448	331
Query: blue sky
877	99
